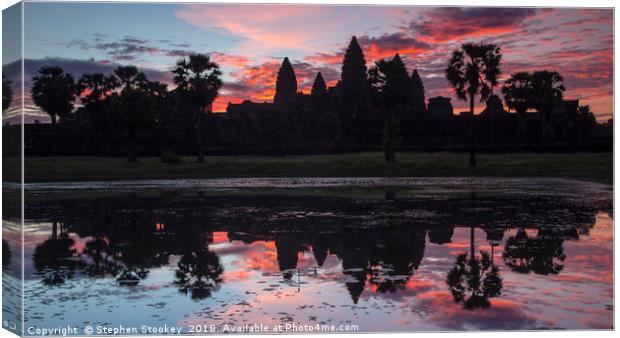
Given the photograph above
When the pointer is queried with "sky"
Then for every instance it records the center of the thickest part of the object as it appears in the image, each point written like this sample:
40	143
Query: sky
250	41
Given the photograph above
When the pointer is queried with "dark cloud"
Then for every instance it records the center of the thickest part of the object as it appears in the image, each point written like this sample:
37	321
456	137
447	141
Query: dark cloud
394	43
448	23
128	48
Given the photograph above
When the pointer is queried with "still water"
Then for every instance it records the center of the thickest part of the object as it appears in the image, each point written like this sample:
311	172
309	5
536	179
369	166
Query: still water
376	255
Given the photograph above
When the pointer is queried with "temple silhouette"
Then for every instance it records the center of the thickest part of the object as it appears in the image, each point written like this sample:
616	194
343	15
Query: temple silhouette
350	116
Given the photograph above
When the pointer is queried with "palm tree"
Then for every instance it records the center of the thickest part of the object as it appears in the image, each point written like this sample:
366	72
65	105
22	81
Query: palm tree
97	90
473	70
547	88
7	93
135	108
518	94
54	91
129	77
159	94
198	79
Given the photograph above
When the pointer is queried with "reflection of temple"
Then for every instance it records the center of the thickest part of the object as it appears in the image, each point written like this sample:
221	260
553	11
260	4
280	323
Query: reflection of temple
128	237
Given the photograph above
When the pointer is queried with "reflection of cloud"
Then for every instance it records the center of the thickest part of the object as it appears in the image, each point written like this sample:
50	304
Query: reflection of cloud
502	315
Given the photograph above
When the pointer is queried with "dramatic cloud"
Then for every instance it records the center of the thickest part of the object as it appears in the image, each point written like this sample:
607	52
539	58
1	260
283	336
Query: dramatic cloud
249	42
451	23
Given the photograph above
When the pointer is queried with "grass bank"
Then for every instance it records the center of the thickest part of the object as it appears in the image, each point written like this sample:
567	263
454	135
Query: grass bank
596	167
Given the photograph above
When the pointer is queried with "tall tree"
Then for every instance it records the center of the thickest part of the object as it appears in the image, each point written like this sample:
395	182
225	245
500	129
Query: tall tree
473	70
286	83
354	86
134	105
392	89
54	91
518	94
158	92
96	91
7	93
199	80
129	77
547	88
391	138
135	110
418	100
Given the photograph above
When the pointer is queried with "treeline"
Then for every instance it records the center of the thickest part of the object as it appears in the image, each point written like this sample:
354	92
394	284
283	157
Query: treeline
368	106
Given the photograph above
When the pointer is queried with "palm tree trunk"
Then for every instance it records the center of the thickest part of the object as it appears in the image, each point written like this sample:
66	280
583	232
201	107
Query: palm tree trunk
472	151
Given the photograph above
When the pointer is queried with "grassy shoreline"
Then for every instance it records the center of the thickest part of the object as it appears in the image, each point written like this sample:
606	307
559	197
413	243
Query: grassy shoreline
594	167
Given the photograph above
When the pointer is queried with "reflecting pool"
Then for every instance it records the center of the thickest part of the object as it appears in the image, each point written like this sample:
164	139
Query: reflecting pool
363	254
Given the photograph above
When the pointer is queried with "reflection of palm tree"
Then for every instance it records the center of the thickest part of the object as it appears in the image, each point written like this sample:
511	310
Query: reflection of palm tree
543	254
472	282
54	257
198	273
100	261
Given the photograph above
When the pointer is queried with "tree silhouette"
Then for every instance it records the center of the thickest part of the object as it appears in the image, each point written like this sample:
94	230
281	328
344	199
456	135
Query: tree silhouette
135	110
286	83
585	120
100	258
198	79
542	255
518	94
418	99
199	273
158	92
392	90
129	77
473	70
547	88
7	93
97	90
391	81
53	258
473	281
54	91
354	86
391	138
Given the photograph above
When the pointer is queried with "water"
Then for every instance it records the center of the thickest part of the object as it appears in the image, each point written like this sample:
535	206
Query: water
370	255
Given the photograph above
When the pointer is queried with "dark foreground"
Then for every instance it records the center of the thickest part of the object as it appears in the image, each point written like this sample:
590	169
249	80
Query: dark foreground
424	255
593	167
